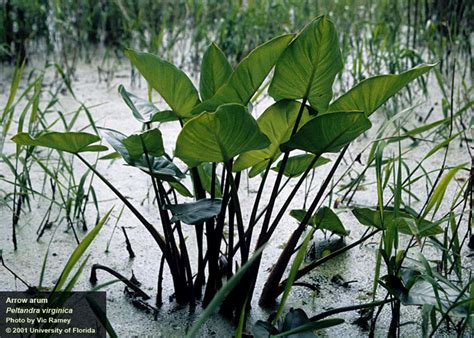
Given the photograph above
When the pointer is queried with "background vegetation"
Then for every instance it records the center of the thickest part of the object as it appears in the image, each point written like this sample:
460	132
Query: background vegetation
375	37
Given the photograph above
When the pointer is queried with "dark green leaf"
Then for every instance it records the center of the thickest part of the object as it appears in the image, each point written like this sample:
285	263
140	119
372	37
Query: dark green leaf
404	221
196	212
263	329
299	214
111	156
324	219
161	166
310	326
149	141
422	293
293	319
205	174
181	189
165	116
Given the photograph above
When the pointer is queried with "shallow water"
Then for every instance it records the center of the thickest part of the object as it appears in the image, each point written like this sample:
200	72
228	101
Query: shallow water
111	112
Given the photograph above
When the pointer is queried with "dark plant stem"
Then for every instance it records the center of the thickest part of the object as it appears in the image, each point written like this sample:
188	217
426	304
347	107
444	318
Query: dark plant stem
13	273
179	281
183	265
166	226
271	203
349	308
269	291
176	268
395	321
230	232
374	318
263	211
256	203
16	207
128	245
186	262
244	251
151	229
290	197
200	193
159	292
126	281
214	243
263	236
260	215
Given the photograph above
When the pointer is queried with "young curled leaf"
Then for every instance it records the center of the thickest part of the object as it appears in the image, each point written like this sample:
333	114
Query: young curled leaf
145	111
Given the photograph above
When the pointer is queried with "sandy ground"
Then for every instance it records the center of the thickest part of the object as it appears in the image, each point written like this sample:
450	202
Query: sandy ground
111	112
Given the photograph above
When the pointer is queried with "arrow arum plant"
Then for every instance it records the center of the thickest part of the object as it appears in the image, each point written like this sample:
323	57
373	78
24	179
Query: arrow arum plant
220	140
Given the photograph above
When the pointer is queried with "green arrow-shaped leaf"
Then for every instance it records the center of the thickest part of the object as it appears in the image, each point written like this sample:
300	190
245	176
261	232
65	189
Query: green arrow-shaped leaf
215	71
371	93
308	67
71	142
219	136
171	83
329	132
248	75
324	219
405	222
